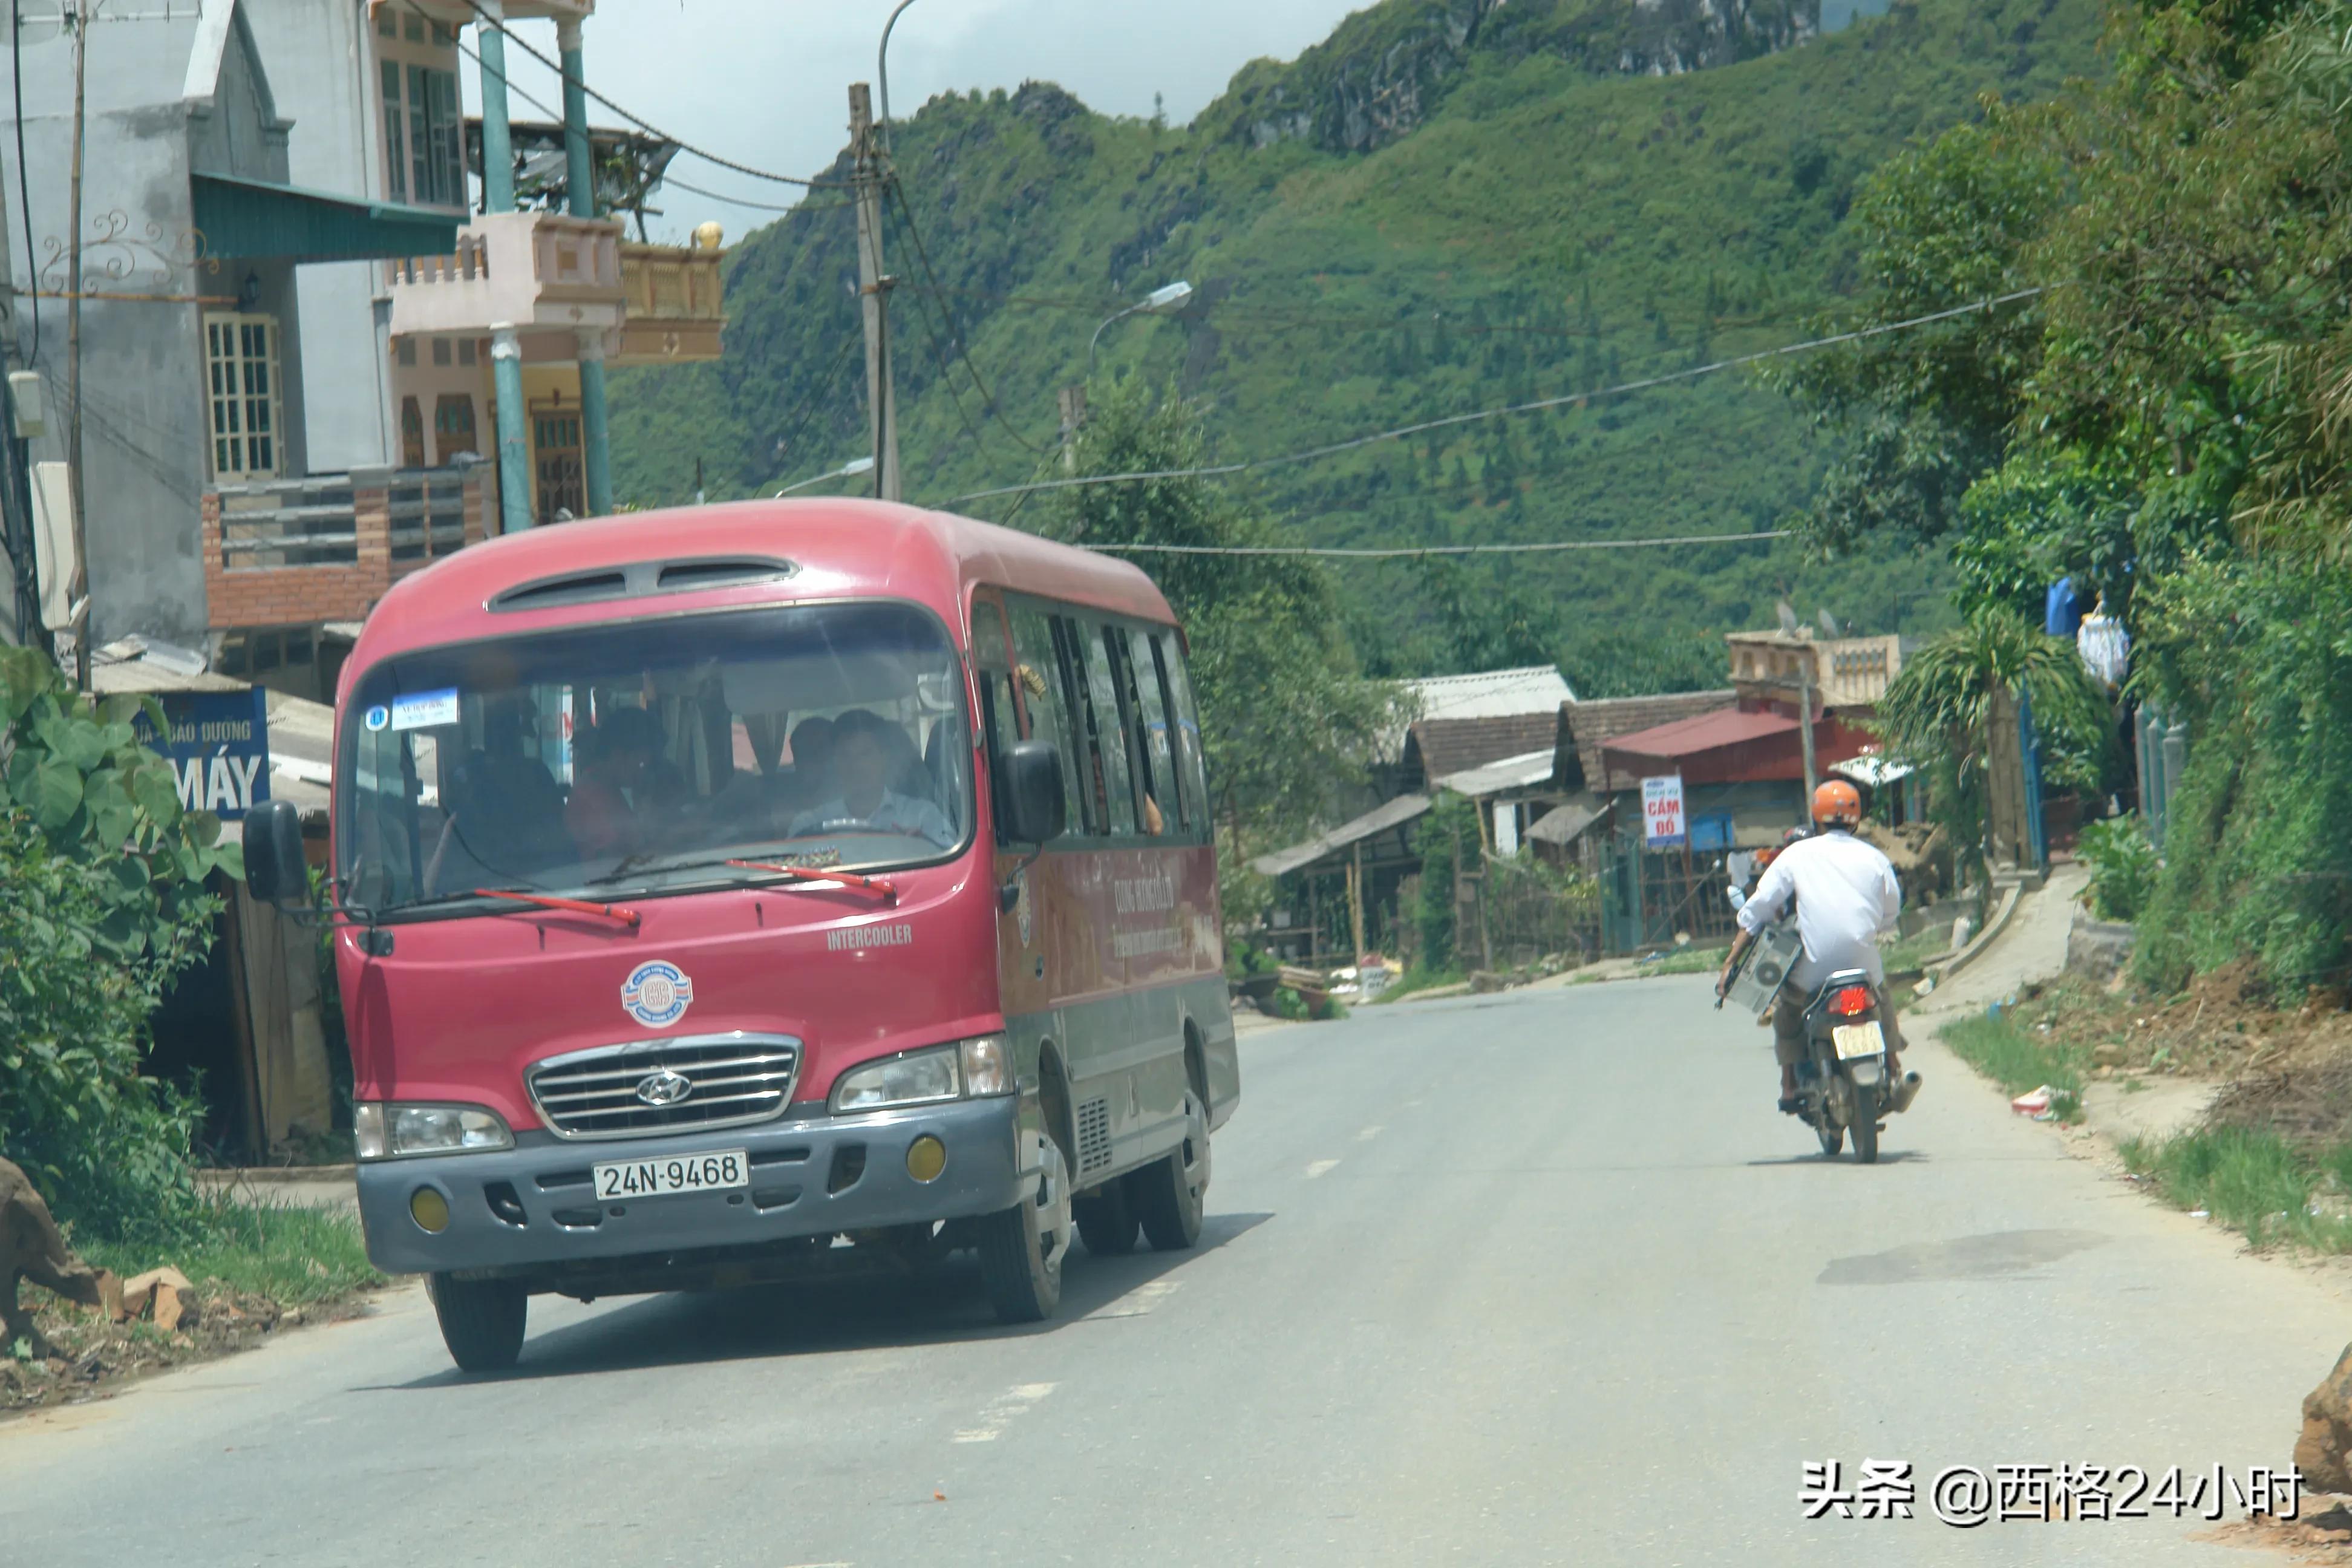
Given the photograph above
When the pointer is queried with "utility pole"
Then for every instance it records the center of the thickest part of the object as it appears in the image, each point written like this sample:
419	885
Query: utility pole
874	287
1074	414
78	596
1805	721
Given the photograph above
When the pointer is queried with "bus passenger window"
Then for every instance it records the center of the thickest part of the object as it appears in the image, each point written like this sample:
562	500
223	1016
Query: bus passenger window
1101	697
1047	705
1150	816
1190	760
1159	758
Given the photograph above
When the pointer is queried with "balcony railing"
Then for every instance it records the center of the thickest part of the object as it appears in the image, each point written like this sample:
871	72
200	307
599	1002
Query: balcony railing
677	303
285	551
538	272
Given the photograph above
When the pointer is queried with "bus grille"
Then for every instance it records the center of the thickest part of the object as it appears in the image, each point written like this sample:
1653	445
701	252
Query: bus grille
616	1091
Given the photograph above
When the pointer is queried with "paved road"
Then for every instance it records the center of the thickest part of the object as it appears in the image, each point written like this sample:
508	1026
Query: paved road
1523	1279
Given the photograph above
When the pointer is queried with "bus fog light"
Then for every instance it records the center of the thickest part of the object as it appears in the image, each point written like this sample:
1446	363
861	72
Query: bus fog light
429	1209
925	1158
987	1066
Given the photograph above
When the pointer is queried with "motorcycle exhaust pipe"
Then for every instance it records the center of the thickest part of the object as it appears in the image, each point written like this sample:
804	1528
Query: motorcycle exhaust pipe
1904	1092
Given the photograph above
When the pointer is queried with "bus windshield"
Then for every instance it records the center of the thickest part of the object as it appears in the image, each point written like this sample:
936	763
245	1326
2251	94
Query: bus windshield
640	756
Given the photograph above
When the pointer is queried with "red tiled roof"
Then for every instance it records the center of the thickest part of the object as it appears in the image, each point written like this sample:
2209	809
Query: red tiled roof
1591	727
1702	733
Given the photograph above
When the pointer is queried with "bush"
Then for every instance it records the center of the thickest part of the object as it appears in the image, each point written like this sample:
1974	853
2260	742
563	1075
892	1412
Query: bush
102	904
1447	837
2123	868
107	1147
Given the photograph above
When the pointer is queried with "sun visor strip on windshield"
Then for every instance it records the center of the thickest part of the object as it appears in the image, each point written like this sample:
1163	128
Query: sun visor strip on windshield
642	578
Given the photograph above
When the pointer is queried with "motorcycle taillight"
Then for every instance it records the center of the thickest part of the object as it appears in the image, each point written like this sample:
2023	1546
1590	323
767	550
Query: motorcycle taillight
1851	1000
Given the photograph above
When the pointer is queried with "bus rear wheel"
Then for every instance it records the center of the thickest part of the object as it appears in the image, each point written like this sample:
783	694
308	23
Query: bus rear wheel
1171	1195
1022	1248
481	1319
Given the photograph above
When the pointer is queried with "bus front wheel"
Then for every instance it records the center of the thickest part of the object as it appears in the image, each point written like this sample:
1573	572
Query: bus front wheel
481	1319
1022	1248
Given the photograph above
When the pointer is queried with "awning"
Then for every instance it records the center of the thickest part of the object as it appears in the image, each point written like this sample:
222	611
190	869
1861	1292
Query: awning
1525	772
1872	771
1564	824
1393	814
253	218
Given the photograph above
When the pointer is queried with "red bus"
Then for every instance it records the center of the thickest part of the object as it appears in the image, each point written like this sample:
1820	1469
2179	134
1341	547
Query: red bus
727	893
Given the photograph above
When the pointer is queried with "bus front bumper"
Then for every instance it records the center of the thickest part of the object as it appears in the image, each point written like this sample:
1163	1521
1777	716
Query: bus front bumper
534	1205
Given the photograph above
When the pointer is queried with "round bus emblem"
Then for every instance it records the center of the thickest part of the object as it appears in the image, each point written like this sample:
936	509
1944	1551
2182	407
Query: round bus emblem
378	717
656	995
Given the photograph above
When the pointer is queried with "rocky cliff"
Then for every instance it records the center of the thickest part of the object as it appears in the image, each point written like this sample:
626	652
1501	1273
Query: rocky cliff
1385	71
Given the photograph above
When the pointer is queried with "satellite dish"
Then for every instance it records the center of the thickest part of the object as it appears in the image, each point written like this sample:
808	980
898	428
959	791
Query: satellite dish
1829	624
1788	612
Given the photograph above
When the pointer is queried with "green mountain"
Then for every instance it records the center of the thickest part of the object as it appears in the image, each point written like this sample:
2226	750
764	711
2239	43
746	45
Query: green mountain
1448	206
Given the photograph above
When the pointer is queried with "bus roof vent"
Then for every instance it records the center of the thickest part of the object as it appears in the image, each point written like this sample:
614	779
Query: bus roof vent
550	593
681	576
641	578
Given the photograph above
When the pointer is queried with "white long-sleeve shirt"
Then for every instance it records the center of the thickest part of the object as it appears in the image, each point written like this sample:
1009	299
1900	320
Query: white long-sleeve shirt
1846	894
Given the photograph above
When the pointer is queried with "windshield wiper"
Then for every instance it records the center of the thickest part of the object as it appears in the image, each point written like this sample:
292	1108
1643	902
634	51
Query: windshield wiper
881	887
621	912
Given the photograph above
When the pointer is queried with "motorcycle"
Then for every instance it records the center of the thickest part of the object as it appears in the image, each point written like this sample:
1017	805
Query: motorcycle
1843	1081
1842	1084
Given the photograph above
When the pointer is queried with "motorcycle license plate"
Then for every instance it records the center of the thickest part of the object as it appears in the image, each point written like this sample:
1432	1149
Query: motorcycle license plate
1859	1040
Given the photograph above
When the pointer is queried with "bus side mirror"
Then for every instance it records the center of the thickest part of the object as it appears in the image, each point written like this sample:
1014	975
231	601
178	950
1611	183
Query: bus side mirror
275	870
1033	809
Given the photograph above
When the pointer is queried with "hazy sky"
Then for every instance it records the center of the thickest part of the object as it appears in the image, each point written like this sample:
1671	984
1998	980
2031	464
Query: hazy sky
766	81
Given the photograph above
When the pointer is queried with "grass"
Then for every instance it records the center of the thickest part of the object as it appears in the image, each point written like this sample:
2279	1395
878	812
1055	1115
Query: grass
2254	1181
1913	952
291	1253
1417	980
2021	1060
1692	960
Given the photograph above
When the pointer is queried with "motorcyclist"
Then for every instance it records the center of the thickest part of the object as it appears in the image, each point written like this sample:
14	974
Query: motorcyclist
1845	893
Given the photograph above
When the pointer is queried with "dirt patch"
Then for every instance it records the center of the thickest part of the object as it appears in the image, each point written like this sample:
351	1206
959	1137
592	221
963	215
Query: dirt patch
2322	1533
2289	1068
95	1356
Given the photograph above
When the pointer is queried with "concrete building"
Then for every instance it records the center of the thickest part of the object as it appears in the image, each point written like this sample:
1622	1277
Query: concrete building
311	362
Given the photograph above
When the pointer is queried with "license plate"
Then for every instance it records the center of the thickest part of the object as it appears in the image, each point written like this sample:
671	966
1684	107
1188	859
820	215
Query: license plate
679	1174
1859	1040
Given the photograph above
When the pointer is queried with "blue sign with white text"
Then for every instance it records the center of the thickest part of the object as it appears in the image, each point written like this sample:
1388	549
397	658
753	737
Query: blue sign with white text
218	746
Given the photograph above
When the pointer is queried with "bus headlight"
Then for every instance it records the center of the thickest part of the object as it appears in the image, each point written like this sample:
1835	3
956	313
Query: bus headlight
987	1066
968	1069
384	1132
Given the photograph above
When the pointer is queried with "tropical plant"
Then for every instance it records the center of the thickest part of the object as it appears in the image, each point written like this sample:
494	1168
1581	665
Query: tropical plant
1941	709
2123	866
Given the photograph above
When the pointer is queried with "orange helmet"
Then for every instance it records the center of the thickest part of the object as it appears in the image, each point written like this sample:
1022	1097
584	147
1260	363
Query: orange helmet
1837	802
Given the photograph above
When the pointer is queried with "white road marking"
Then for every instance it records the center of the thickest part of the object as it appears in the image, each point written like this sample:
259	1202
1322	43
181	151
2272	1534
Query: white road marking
1368	1133
1006	1405
1317	1168
1136	1303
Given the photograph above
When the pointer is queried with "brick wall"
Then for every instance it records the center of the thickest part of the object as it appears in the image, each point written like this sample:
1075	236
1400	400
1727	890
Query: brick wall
275	596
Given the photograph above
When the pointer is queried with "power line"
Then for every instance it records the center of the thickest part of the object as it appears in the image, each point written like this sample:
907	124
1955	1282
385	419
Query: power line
794	210
1403	552
641	123
907	213
1540	405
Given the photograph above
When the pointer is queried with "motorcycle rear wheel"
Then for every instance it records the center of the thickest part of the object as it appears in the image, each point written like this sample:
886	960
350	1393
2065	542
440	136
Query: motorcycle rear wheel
1865	1124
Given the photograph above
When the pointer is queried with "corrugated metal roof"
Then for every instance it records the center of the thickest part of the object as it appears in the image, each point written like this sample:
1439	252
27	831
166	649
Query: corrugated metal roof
1404	808
1522	772
1686	737
1490	694
1594	725
257	218
1565	824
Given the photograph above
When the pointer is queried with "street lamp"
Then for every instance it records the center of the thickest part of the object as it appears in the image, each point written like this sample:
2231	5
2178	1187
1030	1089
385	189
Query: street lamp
849	469
1158	302
882	70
